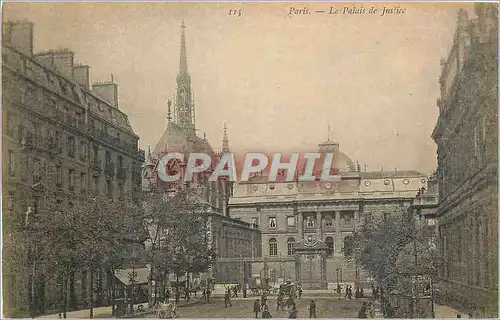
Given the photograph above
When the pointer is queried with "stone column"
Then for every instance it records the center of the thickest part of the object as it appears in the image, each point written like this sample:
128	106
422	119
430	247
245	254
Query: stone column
300	225
319	233
338	233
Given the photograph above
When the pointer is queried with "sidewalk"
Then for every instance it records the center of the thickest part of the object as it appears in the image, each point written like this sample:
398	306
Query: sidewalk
442	311
105	312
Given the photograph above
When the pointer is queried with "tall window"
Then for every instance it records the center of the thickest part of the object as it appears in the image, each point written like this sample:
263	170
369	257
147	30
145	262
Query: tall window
272	222
37	177
110	189
255	222
58	142
71	146
273	247
9	125
291	246
83	181
329	245
71	179
290	221
347	244
11	163
58	176
83	151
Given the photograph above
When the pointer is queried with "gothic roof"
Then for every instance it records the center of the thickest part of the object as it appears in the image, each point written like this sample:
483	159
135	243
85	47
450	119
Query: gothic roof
175	139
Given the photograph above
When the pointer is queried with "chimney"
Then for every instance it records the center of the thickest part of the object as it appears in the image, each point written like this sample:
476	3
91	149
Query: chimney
107	90
81	74
59	59
19	34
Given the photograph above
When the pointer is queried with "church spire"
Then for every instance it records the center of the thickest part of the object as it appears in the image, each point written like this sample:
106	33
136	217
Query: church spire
225	140
184	106
183	66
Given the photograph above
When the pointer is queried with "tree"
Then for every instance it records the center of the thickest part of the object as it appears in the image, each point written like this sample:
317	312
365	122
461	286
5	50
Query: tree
179	233
375	247
393	249
96	235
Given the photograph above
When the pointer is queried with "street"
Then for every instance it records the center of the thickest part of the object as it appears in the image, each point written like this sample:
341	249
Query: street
242	308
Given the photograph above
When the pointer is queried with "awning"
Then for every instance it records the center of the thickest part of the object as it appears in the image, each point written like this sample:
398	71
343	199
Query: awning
133	276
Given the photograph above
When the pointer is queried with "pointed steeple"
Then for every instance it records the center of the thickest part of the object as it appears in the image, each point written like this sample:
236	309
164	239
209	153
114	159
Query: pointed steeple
183	66
225	140
184	106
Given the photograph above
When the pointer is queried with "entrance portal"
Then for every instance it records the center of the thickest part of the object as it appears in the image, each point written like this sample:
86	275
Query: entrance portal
310	263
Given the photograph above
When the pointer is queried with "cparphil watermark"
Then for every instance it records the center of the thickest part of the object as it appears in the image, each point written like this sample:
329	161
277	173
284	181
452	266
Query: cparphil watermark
253	163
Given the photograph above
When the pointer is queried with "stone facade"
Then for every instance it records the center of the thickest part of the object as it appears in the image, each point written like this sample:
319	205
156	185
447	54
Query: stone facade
63	142
467	138
288	213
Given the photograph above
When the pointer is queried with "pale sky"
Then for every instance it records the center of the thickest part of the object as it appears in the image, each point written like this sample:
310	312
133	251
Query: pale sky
276	79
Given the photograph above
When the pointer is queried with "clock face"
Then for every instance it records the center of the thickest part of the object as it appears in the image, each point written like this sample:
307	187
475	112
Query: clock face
328	185
310	241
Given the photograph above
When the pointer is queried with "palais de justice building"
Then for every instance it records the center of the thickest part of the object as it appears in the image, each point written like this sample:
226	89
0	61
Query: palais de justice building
317	217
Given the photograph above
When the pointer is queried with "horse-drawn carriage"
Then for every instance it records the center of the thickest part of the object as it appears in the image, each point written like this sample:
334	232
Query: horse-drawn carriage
166	310
257	287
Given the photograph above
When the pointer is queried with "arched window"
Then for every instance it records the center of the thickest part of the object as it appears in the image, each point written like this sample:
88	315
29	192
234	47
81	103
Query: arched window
273	247
329	245
291	246
347	248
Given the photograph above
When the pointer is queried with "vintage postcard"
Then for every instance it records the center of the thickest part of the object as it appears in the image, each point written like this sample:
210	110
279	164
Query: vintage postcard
250	160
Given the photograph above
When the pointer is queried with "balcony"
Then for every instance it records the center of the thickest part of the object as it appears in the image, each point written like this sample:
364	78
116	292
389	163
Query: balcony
121	173
109	170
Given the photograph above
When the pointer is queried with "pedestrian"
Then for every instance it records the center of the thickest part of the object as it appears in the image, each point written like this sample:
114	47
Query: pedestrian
235	290
265	311
174	310
208	295
300	291
227	298
349	294
167	296
245	290
371	310
312	309
356	294
256	308
346	292
362	311
293	312
361	293
279	302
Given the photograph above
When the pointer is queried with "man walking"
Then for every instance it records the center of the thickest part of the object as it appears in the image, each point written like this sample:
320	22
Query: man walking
227	298
312	309
256	308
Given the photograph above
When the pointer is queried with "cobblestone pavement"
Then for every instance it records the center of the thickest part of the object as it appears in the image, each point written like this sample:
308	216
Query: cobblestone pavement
242	308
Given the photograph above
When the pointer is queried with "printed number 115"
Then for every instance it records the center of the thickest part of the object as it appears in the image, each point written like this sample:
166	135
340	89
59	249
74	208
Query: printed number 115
234	12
